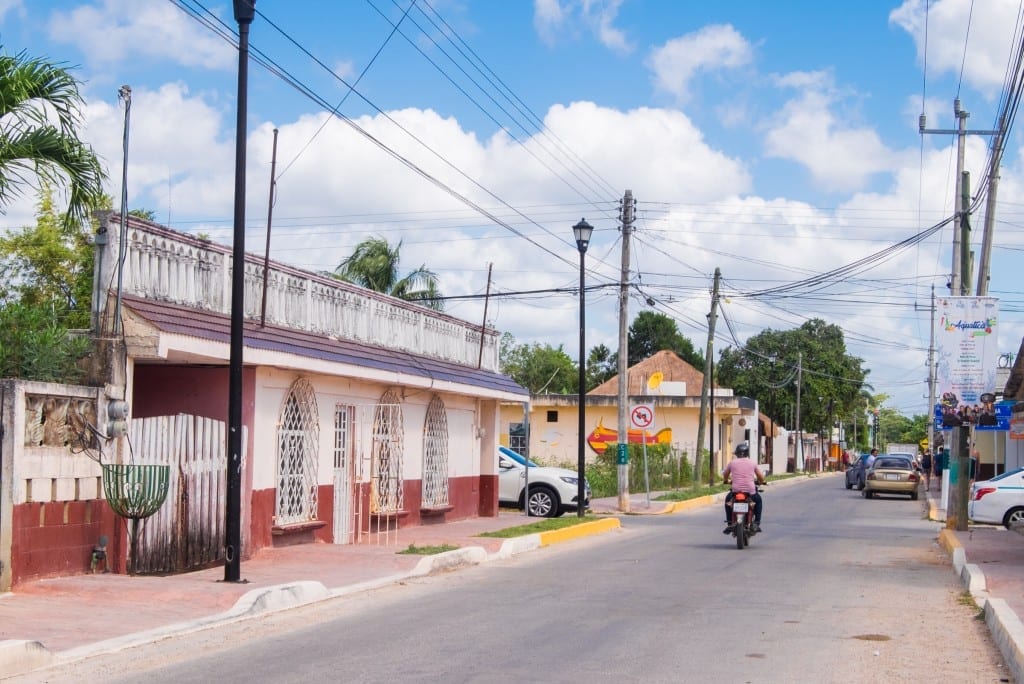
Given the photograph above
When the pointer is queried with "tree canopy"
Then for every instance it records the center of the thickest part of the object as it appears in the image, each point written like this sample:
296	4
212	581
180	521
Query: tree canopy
652	332
767	369
45	292
33	147
373	264
542	369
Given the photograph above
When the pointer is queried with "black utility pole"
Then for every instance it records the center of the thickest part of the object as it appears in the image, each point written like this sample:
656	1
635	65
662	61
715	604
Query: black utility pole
245	11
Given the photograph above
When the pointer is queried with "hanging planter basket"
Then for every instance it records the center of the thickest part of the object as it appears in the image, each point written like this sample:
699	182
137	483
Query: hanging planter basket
135	492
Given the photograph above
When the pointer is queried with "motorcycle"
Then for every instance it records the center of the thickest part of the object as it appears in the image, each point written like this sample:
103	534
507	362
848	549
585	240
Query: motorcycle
742	518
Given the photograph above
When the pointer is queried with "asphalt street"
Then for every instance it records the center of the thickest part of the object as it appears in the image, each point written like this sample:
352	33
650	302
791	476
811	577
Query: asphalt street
833	580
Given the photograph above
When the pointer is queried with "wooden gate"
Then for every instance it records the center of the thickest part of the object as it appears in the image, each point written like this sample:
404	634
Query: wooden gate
188	530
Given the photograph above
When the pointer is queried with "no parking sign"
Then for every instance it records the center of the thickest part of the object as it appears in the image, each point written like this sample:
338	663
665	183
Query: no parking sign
641	416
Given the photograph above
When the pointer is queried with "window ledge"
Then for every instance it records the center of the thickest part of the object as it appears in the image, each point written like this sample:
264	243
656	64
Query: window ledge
295	528
436	510
389	515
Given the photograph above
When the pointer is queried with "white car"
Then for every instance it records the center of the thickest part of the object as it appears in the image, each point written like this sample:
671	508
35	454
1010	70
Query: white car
999	500
553	491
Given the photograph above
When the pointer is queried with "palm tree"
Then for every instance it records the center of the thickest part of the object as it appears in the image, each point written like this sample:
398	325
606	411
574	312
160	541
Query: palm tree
39	114
374	265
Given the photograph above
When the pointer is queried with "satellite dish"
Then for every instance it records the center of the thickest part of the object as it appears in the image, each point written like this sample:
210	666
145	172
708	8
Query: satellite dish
655	380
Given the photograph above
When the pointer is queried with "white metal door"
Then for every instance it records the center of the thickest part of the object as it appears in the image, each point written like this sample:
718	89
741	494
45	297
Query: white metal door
344	417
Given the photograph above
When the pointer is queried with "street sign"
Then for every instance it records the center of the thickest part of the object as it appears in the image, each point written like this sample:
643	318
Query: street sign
641	416
924	443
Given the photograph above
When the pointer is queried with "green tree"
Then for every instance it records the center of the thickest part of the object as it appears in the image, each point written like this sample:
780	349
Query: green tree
653	332
766	369
374	265
46	294
144	214
48	267
542	369
34	92
602	365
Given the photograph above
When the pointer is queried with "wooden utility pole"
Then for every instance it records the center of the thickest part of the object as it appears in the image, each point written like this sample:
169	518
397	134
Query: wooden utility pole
708	369
622	457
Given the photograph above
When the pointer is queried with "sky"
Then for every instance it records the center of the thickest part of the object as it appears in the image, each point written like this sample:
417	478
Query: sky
774	141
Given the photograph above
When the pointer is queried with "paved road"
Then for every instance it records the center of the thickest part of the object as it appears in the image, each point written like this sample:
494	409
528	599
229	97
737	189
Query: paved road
837	589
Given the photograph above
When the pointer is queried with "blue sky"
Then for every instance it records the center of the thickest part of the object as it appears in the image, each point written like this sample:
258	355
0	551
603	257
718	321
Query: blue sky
775	141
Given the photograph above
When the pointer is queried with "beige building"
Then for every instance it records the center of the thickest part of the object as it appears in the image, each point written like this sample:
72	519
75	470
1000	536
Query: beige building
548	426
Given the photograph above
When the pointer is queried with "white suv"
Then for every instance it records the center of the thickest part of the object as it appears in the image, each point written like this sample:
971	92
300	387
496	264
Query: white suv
553	491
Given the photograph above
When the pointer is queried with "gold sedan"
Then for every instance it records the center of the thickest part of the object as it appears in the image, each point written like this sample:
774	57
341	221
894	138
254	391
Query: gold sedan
891	475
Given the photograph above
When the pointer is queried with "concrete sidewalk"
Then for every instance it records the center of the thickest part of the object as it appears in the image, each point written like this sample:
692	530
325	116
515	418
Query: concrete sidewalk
60	620
989	560
50	621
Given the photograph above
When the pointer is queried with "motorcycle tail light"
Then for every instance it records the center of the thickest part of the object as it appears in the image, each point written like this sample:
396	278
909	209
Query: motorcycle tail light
982	492
740	496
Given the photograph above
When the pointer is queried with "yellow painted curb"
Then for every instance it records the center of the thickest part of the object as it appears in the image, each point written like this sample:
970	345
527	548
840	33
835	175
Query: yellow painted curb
581	530
677	506
948	540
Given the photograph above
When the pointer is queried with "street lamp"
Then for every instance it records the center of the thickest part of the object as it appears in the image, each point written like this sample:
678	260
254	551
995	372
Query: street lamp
581	231
245	11
772	358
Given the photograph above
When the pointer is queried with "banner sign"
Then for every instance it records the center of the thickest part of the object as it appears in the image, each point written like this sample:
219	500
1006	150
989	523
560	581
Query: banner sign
966	344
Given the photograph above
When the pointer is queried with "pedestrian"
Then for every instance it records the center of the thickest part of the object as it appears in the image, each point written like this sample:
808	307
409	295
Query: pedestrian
926	469
871	458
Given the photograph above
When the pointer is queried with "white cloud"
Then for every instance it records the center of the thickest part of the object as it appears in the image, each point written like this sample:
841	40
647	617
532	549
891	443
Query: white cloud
839	157
551	19
111	30
988	43
713	48
7	6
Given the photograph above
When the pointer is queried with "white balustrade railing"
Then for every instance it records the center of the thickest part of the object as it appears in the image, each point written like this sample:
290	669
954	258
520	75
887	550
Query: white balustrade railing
165	265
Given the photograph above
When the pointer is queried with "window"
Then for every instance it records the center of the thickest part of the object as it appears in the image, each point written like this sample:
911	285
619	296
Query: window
552	416
518	439
434	491
298	439
386	478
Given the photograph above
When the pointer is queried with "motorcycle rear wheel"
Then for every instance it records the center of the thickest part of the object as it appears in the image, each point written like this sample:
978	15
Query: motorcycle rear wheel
741	533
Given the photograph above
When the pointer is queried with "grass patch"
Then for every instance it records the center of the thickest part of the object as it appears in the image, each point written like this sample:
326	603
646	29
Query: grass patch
414	550
541	525
965	599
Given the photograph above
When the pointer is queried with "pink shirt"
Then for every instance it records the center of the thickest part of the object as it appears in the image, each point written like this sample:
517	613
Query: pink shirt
744	474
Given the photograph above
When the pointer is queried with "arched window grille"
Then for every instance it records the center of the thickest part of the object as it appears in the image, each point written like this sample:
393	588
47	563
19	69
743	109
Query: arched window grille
435	456
298	439
386	470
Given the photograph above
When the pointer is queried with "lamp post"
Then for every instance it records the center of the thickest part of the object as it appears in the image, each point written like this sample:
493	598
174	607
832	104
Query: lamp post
771	414
245	11
581	231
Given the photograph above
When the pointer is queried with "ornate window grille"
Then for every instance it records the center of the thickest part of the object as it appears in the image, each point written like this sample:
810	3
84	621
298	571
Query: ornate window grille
386	456
298	438
435	456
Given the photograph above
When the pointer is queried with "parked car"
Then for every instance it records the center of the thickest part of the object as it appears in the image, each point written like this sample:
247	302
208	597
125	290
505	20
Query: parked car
999	500
891	474
553	491
855	473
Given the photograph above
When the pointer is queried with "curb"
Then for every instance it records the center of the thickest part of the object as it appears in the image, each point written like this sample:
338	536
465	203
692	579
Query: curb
1003	623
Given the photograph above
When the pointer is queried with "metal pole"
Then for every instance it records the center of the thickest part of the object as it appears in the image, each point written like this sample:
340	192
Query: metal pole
582	232
270	214
245	11
124	93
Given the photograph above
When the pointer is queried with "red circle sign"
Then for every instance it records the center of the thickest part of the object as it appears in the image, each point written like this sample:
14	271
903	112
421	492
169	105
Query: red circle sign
642	416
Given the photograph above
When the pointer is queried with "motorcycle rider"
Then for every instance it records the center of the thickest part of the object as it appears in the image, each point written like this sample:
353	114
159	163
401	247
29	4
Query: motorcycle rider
744	476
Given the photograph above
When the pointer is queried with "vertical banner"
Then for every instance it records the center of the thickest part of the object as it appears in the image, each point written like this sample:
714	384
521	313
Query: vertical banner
966	343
